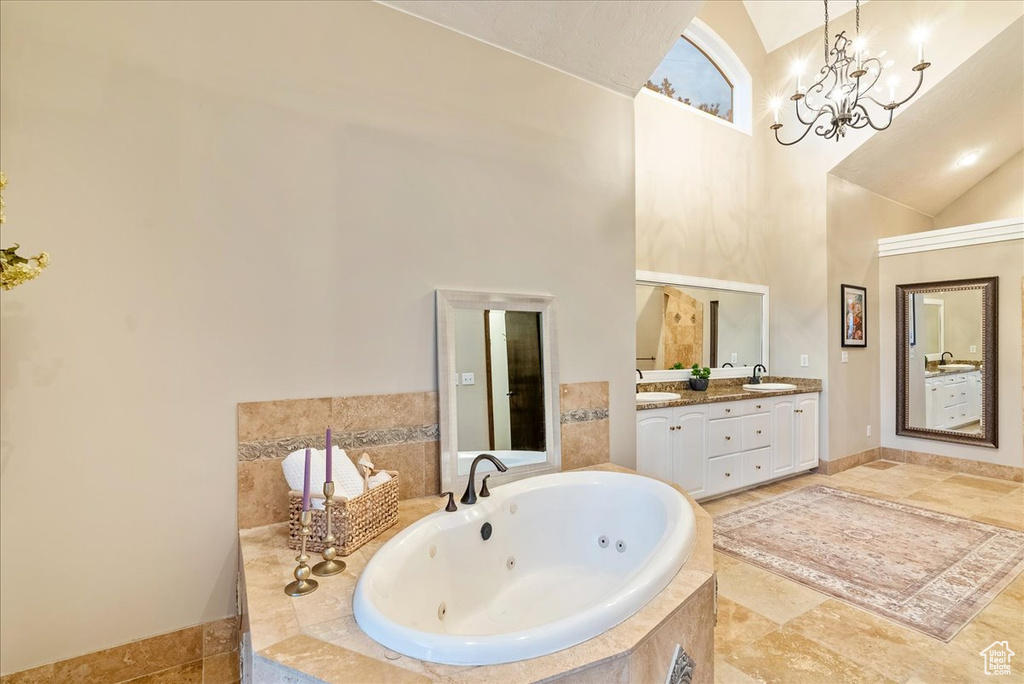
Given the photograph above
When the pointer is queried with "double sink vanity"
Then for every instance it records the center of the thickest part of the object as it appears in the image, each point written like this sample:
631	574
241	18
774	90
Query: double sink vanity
728	437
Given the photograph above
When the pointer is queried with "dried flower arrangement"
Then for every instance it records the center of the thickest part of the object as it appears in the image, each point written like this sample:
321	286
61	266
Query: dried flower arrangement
15	269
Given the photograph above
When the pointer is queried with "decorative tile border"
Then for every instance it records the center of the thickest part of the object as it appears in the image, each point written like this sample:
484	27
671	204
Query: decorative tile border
584	415
279	448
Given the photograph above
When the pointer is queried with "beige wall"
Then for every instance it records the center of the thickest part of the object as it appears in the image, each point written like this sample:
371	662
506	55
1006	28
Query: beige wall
856	219
1002	259
999	195
253	201
471	357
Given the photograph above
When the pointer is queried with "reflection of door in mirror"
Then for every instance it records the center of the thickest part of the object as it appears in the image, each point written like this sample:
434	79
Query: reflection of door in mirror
500	381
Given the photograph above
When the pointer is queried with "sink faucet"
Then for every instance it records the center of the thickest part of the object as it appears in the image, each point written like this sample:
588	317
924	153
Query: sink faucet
942	359
727	365
641	373
470	496
755	379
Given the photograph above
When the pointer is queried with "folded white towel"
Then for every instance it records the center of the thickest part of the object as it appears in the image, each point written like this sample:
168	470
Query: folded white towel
379	479
347	482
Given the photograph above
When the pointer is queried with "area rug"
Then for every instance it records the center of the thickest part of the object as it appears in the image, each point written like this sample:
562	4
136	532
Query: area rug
927	570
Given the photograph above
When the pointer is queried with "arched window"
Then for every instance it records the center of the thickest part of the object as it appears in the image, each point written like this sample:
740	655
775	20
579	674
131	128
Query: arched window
703	72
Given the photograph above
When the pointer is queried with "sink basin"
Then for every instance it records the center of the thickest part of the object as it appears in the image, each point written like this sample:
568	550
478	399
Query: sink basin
769	387
648	397
956	367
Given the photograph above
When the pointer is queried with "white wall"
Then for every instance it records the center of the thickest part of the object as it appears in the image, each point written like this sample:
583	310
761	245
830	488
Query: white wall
999	195
254	201
471	399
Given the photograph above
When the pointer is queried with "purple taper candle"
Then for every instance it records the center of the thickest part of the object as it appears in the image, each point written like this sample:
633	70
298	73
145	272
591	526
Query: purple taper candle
305	484
329	478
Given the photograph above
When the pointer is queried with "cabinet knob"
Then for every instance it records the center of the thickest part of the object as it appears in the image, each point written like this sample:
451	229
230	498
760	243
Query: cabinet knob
758	432
728	474
727	438
757	406
757	467
934	388
728	410
798	411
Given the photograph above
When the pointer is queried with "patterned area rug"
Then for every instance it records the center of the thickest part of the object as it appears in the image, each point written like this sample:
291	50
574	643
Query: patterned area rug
927	570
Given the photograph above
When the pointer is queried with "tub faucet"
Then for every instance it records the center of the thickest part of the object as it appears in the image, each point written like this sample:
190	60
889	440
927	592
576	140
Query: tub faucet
755	379
470	496
942	359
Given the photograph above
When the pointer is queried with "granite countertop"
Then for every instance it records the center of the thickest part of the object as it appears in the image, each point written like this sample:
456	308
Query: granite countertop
315	638
932	369
725	389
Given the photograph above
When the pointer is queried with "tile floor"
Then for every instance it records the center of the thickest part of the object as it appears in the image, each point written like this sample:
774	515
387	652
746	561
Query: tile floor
773	630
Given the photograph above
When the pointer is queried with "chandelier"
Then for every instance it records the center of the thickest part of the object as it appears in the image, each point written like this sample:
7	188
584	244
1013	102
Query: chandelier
841	97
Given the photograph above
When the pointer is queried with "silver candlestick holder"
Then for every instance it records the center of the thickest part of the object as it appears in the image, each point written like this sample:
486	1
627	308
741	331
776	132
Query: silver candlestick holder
329	566
302	584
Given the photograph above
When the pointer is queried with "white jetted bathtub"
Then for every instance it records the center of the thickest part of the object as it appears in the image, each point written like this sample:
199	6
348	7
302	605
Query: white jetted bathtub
570	555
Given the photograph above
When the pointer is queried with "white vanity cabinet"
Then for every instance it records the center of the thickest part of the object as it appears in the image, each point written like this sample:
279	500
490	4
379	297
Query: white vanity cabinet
952	400
710	449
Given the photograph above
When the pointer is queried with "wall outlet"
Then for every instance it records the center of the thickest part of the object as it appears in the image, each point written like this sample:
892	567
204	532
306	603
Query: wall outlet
869	430
974	349
468	379
804	361
846	357
735	358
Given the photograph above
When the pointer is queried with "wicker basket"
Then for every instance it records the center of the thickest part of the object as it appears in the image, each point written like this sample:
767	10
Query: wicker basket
356	520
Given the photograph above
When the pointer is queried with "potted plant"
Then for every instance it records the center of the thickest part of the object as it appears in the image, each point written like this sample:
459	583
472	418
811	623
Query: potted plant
699	377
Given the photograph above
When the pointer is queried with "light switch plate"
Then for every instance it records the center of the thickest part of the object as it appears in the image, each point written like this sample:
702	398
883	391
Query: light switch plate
846	357
974	349
804	360
468	379
735	358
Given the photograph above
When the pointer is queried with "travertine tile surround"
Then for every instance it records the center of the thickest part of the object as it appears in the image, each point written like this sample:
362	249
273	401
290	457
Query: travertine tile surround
318	634
204	654
398	431
956	465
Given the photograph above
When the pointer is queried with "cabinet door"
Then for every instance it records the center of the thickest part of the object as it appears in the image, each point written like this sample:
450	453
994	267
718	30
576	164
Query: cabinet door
807	432
653	443
783	439
689	451
933	403
974	393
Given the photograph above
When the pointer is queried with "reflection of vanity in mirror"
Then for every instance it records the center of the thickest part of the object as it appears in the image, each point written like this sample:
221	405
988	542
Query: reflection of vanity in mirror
686	320
946	361
498	380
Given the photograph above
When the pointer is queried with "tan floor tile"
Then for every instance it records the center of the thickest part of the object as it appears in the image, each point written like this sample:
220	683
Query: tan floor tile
890	649
954	498
785	657
986	484
727	674
1006	511
733	502
738	626
774	597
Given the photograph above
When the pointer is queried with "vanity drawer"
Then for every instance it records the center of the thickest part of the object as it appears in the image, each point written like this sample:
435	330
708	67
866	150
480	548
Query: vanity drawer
752	406
724	436
725	409
756	466
953	394
757	431
724	474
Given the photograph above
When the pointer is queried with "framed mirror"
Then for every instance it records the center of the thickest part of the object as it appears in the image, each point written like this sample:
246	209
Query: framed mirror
947	358
497	369
686	320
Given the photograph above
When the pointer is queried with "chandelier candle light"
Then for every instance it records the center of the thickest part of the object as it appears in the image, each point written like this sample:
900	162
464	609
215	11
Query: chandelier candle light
841	96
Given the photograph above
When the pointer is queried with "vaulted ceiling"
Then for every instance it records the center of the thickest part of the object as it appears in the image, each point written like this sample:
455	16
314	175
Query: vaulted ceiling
980	106
780	21
617	45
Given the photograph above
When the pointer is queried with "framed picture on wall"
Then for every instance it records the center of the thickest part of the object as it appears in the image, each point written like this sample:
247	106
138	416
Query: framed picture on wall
854	315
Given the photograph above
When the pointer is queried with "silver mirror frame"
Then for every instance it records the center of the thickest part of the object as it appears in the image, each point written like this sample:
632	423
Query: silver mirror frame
448	301
654	279
989	287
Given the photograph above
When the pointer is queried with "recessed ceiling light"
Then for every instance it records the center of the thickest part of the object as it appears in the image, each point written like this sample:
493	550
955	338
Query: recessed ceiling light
968	158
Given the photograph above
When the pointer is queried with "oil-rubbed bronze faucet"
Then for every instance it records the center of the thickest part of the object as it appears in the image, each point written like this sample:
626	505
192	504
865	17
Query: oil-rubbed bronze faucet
755	379
470	496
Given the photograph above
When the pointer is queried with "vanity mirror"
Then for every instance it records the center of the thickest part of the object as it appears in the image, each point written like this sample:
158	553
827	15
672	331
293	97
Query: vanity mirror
498	385
686	320
947	361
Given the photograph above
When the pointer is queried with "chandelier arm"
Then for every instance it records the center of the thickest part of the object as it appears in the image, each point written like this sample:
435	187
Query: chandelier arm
920	80
787	144
878	74
814	113
867	117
